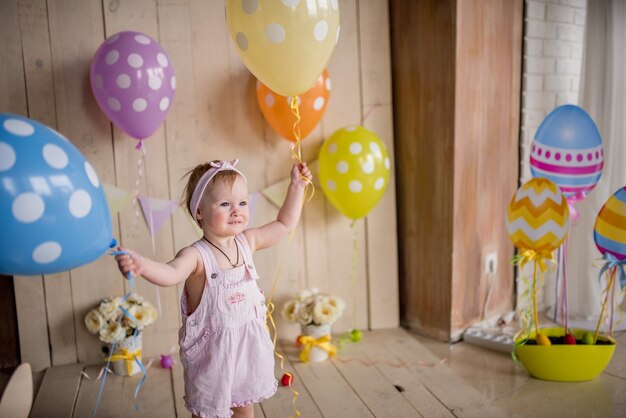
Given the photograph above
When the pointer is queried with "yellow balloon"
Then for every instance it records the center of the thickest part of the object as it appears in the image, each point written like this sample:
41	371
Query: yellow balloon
285	43
354	170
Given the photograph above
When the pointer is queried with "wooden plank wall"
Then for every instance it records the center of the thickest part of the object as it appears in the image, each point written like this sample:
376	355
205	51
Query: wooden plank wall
46	48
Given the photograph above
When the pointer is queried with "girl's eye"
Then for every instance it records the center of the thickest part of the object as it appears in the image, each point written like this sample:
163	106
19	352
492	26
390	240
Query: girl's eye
244	203
224	204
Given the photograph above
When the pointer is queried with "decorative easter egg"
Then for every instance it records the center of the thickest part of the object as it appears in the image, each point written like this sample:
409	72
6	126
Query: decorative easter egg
538	216
542	340
609	232
356	335
287	379
354	170
53	211
567	149
569	339
588	338
167	362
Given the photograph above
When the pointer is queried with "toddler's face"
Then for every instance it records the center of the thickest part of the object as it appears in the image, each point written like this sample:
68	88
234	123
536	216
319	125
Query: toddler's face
224	209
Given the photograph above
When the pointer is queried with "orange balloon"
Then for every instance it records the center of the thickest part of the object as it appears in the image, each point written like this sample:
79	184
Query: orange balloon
278	114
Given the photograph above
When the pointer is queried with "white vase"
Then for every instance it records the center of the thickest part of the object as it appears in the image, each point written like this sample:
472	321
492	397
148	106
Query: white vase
127	367
316	331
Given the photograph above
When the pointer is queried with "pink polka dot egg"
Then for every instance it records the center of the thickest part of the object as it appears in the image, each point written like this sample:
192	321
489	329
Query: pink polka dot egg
567	150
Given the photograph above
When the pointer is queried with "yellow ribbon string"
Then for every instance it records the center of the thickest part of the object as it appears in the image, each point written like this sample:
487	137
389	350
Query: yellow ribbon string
270	317
296	148
546	262
322	342
128	357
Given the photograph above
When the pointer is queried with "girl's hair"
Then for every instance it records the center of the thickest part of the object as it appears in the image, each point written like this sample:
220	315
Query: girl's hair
228	177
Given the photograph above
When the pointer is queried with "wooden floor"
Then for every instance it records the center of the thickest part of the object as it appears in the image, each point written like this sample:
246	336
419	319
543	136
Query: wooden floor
391	373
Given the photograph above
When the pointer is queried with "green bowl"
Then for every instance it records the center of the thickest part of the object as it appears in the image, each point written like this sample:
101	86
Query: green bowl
565	363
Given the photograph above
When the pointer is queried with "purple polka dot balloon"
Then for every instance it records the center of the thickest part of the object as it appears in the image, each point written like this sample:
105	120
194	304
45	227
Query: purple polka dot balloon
133	81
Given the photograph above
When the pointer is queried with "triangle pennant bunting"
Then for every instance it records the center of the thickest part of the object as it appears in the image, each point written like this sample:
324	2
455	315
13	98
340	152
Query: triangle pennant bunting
116	198
156	211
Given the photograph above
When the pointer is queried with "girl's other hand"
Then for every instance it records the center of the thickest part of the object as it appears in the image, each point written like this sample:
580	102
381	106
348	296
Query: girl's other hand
300	173
130	262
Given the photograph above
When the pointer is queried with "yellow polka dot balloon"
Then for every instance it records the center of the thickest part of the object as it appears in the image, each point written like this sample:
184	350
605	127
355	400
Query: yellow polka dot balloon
286	44
354	170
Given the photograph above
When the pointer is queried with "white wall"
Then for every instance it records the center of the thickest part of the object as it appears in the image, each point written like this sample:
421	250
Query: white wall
553	46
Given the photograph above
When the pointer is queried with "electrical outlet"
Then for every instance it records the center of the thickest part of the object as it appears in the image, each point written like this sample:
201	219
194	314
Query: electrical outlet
490	261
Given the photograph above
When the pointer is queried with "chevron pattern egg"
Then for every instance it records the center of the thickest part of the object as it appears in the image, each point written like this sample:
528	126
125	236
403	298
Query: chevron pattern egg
609	233
538	216
567	149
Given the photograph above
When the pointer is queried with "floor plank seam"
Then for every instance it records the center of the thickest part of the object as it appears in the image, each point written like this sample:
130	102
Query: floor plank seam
80	383
334	363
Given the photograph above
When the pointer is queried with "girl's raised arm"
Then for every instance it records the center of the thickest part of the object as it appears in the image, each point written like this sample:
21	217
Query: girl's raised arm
288	215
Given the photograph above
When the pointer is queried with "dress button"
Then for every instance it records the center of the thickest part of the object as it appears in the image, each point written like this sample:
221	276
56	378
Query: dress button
192	323
214	275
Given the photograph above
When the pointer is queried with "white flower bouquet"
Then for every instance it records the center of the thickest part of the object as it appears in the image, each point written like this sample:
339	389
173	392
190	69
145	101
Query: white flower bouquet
104	319
309	307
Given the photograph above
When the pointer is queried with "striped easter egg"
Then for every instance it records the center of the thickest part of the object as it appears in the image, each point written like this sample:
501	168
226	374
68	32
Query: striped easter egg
538	216
567	149
609	233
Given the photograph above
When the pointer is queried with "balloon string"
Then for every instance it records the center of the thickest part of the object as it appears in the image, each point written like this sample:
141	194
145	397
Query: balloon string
140	164
296	148
273	330
270	317
558	302
606	298
355	255
134	320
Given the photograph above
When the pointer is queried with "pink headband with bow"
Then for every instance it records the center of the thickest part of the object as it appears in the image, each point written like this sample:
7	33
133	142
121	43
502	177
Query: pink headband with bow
216	167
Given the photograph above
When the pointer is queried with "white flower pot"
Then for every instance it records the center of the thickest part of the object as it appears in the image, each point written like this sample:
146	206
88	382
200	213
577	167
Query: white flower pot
316	331
127	367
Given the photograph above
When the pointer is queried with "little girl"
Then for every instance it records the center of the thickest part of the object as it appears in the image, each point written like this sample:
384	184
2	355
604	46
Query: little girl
225	348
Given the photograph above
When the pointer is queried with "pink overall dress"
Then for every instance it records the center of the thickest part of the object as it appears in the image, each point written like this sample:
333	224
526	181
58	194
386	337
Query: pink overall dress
225	348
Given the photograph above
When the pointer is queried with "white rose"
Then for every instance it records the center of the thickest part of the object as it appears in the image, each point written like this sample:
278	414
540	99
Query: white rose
336	302
303	295
150	314
134	298
94	321
108	309
304	315
112	333
324	313
289	311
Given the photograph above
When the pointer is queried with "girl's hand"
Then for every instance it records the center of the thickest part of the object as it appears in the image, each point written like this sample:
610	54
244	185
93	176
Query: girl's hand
300	173
132	262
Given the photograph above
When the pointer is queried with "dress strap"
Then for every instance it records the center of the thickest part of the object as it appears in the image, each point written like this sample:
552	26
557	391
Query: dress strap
247	256
210	263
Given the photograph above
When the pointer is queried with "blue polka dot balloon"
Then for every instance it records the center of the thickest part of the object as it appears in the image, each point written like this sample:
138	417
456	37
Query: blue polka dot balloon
53	211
